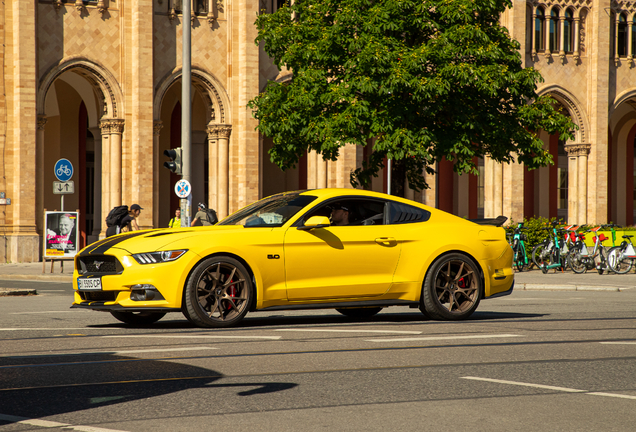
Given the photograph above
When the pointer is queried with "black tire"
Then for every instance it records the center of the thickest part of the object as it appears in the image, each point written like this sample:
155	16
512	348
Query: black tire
578	262
520	260
452	288
540	257
360	312
218	293
618	265
138	318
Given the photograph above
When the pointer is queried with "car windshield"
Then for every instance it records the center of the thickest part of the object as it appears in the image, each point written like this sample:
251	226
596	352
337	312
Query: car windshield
269	212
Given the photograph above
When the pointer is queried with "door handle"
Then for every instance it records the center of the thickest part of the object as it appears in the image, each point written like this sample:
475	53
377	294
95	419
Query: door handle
385	241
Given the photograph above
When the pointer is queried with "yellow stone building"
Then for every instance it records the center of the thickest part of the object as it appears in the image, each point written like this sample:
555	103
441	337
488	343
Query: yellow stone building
98	82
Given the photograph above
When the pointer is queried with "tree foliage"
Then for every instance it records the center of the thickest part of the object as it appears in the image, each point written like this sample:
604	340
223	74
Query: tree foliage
427	79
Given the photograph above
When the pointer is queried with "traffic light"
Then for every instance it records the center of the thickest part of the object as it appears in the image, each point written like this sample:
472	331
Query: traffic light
175	160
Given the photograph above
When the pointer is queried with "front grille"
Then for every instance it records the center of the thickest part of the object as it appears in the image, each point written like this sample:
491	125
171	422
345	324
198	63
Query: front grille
99	264
98	295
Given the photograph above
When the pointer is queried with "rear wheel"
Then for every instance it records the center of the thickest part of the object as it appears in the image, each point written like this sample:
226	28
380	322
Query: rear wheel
138	318
618	264
578	263
452	288
218	293
360	312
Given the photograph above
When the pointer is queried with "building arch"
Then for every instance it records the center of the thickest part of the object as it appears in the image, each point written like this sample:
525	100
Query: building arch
575	110
111	102
218	103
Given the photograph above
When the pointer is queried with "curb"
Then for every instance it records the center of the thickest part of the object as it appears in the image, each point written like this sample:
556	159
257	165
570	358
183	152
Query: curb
543	287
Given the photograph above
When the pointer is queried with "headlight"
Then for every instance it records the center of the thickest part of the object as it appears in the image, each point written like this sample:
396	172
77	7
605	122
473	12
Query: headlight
158	257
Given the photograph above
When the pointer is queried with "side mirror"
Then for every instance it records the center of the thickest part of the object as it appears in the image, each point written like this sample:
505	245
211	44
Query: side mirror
315	222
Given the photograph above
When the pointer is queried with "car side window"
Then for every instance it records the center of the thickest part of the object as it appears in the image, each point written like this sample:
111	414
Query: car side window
351	212
403	213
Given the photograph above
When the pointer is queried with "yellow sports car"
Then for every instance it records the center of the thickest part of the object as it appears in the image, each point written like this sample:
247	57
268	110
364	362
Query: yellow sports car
350	250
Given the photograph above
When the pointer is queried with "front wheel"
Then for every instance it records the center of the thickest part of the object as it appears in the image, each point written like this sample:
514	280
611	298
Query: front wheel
218	293
618	264
578	263
521	260
138	318
452	288
540	255
359	312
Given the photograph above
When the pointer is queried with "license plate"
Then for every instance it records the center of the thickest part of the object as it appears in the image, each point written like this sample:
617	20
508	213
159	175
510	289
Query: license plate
89	284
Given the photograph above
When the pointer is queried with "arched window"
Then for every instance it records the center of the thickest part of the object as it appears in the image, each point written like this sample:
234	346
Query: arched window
539	30
568	31
622	35
554	30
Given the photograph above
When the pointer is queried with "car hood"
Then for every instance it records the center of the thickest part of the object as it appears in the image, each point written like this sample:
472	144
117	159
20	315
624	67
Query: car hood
152	240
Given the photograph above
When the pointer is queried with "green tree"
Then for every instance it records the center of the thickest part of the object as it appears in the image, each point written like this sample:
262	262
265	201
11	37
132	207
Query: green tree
427	79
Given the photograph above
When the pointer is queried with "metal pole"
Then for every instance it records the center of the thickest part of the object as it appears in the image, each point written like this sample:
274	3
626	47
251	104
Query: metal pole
186	107
388	177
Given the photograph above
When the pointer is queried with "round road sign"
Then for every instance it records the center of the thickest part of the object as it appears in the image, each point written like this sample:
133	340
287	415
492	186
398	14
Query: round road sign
63	170
182	188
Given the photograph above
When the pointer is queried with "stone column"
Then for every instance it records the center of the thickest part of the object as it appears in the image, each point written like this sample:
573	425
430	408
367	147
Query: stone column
548	20
223	174
600	55
577	27
39	169
616	22
105	174
533	42
213	166
493	188
116	130
156	135
577	182
562	37
630	28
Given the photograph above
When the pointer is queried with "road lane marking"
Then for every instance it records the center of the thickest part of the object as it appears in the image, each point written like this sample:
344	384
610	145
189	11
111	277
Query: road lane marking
618	343
42	312
350	331
612	395
439	338
52	424
564	389
194	337
547	387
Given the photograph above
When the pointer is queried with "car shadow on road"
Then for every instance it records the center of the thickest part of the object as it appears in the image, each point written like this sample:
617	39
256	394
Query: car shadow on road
266	320
47	385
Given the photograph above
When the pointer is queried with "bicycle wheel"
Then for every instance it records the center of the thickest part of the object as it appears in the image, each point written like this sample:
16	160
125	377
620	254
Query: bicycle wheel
540	255
521	259
577	262
617	263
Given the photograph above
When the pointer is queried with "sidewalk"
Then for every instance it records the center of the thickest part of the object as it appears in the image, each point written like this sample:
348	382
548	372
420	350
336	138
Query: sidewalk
529	280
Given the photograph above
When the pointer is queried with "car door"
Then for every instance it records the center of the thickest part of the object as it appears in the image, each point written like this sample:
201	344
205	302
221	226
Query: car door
339	262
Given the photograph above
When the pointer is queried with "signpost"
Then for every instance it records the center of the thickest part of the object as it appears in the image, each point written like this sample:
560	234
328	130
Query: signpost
183	189
63	172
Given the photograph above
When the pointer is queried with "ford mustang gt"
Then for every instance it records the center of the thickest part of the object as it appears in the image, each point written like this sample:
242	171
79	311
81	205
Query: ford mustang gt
345	249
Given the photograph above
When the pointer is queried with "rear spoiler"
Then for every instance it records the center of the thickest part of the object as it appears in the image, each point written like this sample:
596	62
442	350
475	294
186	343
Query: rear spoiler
498	221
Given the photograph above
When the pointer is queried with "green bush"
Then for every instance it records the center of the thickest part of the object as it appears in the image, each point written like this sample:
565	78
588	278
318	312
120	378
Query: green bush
535	230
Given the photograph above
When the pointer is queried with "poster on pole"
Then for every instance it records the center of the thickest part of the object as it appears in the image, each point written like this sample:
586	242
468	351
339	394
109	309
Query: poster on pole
62	237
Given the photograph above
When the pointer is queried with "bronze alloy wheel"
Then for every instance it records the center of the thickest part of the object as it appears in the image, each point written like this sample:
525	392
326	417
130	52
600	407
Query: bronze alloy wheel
452	288
218	293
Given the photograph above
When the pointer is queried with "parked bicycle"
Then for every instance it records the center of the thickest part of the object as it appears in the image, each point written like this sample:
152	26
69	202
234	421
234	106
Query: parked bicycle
621	258
581	260
551	253
520	256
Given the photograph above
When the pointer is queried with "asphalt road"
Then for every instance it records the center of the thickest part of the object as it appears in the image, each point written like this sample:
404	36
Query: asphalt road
532	361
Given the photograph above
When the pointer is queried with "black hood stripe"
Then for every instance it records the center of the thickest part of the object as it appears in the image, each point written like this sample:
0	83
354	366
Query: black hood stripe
103	245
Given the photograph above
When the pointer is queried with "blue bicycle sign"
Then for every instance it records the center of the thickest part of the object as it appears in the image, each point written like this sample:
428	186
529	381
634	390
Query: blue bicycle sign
63	170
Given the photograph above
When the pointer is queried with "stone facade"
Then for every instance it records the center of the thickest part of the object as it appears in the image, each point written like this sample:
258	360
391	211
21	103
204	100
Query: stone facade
99	83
